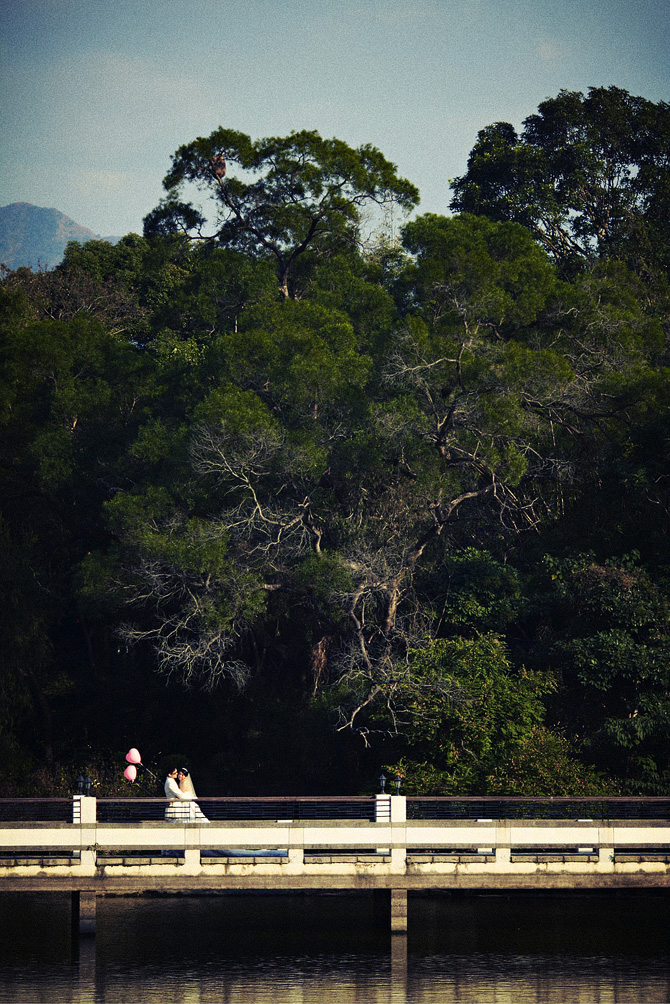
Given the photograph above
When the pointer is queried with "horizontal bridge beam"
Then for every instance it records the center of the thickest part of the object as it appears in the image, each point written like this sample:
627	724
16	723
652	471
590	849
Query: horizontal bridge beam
509	853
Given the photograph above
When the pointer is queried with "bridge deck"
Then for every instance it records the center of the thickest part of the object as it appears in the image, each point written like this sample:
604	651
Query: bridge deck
89	847
388	850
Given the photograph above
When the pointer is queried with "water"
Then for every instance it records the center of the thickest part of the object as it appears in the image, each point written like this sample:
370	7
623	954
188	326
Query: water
608	948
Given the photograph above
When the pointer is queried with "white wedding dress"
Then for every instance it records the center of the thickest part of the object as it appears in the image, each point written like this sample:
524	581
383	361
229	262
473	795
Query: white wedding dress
183	807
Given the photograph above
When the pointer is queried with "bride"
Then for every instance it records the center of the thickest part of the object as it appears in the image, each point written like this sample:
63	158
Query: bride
186	786
179	789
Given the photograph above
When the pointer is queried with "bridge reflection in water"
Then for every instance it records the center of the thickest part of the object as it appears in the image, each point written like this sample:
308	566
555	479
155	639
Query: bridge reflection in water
391	845
470	948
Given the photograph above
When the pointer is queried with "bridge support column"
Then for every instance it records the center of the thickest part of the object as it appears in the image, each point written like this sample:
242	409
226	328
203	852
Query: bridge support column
398	911
83	912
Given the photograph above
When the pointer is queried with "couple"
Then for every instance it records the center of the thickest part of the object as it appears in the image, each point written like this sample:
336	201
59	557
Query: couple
179	789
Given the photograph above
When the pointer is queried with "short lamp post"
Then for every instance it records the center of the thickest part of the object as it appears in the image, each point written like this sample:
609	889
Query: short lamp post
382	783
398	781
84	785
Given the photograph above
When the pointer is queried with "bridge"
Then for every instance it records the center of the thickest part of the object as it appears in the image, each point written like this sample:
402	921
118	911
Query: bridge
389	844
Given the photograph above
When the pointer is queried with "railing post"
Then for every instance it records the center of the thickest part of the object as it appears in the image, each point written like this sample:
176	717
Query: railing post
84	810
84	814
398	808
399	854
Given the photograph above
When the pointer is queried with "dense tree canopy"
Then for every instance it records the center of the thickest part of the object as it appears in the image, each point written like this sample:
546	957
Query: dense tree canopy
302	506
587	175
289	199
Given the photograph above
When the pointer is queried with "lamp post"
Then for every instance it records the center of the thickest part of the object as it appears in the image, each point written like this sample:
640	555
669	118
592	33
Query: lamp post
80	785
398	779
87	785
382	783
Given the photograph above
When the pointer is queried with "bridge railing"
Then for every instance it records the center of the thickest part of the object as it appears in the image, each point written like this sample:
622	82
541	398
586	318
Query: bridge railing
546	807
36	809
492	842
297	808
361	807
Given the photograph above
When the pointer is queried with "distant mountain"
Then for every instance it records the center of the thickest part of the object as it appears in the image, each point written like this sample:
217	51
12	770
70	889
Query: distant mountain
33	236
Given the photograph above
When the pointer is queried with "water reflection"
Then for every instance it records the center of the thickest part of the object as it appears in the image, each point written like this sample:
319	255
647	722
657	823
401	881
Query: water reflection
609	949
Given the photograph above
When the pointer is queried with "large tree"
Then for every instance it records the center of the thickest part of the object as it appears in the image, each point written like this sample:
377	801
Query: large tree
284	198
587	175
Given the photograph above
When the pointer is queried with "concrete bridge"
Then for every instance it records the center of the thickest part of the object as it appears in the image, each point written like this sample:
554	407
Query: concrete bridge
391	845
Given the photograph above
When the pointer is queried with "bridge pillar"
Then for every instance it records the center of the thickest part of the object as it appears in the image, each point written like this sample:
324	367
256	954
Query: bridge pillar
83	912
398	808
84	810
398	911
503	848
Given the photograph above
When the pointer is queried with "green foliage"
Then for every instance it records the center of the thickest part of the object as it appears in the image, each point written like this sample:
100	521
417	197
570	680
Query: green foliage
266	493
468	708
323	577
299	357
470	268
543	763
292	195
480	593
610	625
583	175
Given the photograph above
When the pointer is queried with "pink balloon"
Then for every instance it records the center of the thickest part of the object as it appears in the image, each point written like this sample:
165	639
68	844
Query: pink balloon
130	772
133	756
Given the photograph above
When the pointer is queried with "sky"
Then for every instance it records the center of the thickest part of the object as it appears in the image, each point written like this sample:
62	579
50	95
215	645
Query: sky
97	96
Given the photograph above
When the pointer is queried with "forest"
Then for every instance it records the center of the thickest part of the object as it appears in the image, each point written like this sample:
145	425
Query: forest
302	485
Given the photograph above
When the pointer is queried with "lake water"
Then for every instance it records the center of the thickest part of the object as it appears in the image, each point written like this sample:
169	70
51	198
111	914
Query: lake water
607	948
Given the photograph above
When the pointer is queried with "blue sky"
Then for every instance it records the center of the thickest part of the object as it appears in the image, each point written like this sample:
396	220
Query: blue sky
97	96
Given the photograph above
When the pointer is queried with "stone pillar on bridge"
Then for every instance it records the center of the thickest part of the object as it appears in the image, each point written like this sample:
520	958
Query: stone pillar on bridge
84	809
84	815
398	809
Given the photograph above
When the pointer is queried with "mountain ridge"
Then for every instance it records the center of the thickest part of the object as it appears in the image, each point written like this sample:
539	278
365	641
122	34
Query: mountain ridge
36	236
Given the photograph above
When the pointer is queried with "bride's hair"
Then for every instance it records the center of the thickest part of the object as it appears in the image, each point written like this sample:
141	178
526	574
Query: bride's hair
186	783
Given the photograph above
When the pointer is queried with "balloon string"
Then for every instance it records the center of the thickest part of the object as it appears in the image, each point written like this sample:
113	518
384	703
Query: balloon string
142	788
